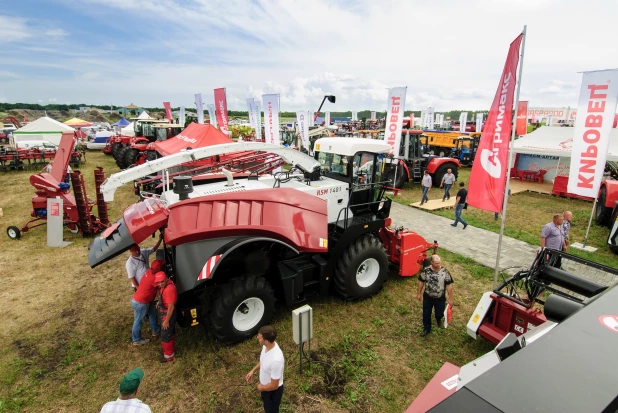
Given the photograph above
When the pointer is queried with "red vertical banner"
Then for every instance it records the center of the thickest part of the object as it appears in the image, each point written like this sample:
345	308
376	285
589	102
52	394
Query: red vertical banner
168	111
488	175
221	108
521	127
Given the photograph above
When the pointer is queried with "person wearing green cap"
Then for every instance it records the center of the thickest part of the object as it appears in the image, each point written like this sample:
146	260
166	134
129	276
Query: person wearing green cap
128	402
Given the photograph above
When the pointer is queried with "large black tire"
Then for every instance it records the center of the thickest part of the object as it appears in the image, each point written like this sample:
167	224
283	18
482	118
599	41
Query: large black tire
241	308
361	270
437	176
151	155
399	180
115	149
120	159
130	157
602	213
13	232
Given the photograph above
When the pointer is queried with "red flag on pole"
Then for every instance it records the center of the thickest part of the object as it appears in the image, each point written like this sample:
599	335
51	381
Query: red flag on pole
488	175
221	108
521	127
168	111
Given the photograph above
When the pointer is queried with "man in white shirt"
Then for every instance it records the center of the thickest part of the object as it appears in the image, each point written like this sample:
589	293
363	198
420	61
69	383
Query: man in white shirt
139	262
447	181
128	402
271	370
426	184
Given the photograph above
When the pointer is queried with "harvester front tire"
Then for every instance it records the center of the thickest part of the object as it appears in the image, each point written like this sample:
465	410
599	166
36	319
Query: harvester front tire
151	156
117	146
130	157
13	232
241	308
120	159
602	213
361	270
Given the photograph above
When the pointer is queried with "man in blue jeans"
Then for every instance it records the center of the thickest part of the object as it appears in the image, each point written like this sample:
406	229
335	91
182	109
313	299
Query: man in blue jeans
447	181
426	183
460	203
433	284
142	304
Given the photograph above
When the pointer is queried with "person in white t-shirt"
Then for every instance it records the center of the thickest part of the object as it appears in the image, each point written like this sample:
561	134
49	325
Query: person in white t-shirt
128	401
271	370
139	262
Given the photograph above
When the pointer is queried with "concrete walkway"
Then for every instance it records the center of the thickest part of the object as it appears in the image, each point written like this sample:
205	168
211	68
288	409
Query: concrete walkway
475	243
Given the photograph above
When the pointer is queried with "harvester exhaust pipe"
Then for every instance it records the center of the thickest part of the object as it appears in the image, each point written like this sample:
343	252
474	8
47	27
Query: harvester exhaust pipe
183	186
229	176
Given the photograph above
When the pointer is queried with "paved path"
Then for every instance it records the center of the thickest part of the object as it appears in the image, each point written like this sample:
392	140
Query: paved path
475	243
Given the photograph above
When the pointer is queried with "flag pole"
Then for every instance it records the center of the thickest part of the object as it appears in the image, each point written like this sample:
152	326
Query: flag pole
508	170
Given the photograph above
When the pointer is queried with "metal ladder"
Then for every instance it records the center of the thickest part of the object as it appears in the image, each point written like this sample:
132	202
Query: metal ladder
99	178
81	202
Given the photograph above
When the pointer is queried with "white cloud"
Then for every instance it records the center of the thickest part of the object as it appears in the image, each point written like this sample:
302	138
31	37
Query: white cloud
53	100
9	74
56	33
13	29
3	99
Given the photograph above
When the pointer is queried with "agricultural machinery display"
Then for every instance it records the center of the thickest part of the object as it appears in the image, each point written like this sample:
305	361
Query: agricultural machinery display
233	246
77	214
33	159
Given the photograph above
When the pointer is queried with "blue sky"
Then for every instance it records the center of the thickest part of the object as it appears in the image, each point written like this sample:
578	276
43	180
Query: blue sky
449	54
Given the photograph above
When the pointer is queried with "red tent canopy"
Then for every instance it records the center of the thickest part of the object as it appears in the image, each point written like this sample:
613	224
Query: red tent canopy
193	136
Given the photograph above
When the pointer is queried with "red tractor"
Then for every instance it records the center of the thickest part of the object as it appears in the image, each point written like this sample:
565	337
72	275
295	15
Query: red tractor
234	247
120	146
141	150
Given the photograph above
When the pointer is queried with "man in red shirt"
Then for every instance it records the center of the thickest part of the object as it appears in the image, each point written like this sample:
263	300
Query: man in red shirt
167	307
142	304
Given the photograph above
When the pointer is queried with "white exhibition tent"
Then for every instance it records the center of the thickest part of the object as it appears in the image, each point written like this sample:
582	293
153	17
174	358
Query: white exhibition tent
129	130
557	141
42	129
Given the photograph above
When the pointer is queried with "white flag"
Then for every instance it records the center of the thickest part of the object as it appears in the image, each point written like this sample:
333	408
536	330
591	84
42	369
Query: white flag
200	108
396	105
258	119
311	118
326	118
373	116
423	122
463	119
354	115
251	112
303	127
430	118
212	115
271	119
479	122
595	117
181	116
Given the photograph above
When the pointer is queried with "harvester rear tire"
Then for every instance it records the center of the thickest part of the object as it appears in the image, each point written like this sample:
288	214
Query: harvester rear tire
602	213
120	159
13	232
361	270
241	308
130	157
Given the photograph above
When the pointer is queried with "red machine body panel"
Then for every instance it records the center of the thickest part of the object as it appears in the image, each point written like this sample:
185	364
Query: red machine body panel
441	386
407	249
435	163
289	215
145	218
611	192
195	136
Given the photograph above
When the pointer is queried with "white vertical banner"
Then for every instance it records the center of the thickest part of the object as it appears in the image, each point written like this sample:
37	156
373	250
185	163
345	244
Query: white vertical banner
549	120
373	116
251	112
463	120
430	118
394	118
212	115
200	108
181	116
326	118
423	122
271	119
354	115
311	119
595	117
479	122
441	119
303	128
257	107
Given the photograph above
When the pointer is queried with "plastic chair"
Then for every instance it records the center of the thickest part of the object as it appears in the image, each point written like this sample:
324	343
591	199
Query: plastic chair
540	176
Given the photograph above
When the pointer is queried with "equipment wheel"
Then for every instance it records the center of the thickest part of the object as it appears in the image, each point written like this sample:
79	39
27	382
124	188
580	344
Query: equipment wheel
130	157
241	308
437	176
602	213
13	232
151	155
120	159
361	270
115	148
73	228
399	180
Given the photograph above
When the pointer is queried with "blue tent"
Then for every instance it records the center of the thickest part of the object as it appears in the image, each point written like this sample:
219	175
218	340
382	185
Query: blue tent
122	122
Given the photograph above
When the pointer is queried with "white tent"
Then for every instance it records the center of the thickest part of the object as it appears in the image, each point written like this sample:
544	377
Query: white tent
42	129
129	130
557	141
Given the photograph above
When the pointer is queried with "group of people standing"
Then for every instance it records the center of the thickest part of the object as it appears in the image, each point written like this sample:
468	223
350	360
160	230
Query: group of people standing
555	234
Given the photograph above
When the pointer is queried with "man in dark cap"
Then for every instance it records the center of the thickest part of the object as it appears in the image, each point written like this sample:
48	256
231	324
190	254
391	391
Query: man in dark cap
128	401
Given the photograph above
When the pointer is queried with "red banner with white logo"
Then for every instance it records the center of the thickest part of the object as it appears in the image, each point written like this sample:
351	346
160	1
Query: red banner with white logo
521	127
593	125
488	175
168	111
221	108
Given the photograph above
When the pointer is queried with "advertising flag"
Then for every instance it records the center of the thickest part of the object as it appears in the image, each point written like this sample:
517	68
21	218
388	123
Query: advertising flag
312	120
423	123
251	112
303	128
326	118
257	106
168	111
181	116
595	117
488	175
463	120
394	118
271	119
479	122
200	108
354	115
373	116
211	115
521	127
430	118
221	106
412	120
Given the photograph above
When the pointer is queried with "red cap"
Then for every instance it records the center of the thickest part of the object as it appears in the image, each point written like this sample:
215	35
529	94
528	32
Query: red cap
160	276
155	266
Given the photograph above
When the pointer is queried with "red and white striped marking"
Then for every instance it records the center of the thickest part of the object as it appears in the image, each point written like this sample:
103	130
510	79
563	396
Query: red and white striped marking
206	272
